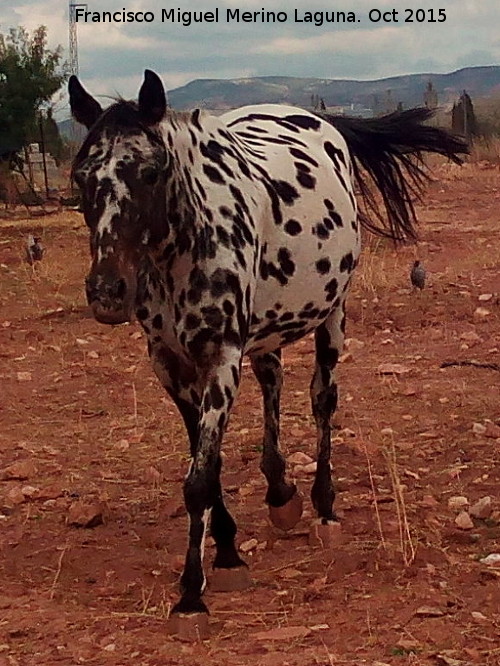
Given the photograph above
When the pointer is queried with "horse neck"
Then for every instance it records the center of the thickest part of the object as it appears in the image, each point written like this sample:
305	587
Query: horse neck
183	206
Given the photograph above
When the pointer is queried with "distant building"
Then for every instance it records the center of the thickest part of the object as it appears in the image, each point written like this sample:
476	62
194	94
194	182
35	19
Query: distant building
430	96
354	110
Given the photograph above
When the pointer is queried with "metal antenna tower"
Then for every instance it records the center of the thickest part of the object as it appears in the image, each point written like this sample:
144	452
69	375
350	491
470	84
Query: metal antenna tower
73	38
75	132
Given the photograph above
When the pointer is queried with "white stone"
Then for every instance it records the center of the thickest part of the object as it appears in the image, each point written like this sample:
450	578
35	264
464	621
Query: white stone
478	428
493	559
248	545
299	458
482	508
463	521
457	503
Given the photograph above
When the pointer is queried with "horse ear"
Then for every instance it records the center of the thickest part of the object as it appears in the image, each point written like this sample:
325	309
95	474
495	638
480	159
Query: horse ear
152	100
85	109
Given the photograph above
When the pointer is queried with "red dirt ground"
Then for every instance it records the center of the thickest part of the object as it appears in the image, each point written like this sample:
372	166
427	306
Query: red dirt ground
79	405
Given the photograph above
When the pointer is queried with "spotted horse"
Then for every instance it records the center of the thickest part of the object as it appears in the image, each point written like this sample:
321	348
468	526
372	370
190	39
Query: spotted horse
235	235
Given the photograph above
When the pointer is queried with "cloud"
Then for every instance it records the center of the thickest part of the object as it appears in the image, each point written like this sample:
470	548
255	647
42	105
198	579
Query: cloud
31	15
368	40
113	56
115	38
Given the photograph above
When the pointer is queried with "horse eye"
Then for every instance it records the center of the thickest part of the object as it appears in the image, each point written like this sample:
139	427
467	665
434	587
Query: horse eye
150	175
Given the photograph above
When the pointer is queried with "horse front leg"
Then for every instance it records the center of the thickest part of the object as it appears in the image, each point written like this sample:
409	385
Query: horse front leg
203	497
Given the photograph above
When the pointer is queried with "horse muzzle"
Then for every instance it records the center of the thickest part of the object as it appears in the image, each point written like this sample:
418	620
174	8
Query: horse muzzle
110	298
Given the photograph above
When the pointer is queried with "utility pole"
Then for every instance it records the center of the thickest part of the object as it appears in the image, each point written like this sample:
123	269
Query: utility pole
44	158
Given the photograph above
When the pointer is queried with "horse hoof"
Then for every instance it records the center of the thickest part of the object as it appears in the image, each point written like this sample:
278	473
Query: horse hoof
230	580
325	535
287	516
190	627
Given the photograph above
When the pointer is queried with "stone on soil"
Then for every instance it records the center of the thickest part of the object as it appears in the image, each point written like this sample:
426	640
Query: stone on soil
393	369
429	611
492	560
18	471
463	521
471	336
482	508
457	503
83	514
428	502
299	458
353	345
29	491
14	496
24	376
478	617
492	430
478	428
310	468
248	545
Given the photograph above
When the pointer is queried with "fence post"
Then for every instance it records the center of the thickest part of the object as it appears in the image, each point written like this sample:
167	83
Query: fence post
44	161
27	159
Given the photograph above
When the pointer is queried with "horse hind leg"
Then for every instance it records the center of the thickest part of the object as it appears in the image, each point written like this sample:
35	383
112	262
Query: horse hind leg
285	503
329	340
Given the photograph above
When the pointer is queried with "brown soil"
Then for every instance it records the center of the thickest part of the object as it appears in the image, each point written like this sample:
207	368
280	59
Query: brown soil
79	406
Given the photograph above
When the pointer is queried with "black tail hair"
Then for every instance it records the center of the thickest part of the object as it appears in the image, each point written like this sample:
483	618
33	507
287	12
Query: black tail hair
390	150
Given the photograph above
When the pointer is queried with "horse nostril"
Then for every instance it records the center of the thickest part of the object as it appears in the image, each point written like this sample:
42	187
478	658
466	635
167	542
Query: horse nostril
119	289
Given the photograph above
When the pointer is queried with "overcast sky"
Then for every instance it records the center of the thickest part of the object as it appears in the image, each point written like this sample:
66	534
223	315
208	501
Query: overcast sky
113	56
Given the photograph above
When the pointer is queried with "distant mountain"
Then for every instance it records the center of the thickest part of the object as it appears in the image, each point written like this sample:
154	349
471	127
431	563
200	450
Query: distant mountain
72	130
408	89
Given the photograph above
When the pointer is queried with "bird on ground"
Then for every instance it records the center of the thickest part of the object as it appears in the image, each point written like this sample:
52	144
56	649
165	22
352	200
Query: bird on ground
34	249
417	275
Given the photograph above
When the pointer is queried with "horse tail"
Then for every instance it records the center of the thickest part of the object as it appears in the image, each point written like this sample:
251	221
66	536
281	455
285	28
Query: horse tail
390	150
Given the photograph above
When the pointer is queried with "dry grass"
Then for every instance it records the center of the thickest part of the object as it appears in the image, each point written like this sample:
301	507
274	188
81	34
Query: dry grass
382	266
406	544
486	150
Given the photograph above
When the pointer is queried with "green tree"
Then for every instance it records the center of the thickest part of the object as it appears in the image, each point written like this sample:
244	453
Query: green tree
30	74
